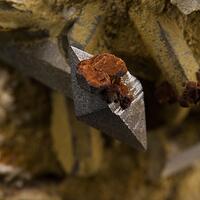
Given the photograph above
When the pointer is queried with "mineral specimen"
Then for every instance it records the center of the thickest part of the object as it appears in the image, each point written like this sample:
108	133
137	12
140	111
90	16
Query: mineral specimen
103	72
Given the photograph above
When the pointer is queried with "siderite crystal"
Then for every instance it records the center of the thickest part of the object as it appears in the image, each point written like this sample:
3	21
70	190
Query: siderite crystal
103	72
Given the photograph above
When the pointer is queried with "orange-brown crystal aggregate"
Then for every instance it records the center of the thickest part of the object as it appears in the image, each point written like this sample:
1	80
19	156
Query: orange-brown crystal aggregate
104	72
101	69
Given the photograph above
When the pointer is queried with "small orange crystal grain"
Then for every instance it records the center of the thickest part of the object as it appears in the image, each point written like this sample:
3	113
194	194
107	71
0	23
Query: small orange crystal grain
100	70
104	72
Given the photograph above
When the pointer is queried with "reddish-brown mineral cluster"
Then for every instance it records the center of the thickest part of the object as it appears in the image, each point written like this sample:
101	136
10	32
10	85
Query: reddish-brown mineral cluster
191	94
103	72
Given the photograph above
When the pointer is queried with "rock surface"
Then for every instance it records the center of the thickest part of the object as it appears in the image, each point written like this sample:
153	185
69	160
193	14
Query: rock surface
187	6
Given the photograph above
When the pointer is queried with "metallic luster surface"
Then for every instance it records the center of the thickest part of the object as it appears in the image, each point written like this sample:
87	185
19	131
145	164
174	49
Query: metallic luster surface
127	125
134	115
